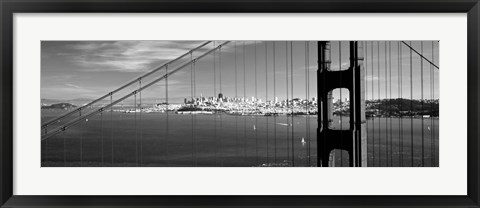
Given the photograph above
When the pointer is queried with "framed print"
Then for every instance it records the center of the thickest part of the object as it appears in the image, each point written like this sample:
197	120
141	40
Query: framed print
248	104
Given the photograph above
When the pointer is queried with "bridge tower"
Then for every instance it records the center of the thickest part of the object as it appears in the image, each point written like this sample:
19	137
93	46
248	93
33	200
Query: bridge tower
354	139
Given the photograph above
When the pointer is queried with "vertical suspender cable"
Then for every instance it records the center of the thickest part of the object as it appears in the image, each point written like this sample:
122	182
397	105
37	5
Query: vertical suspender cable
390	100
136	133
192	101
366	90
195	116
81	141
195	80
291	84
306	97
287	102
386	120
431	113
274	109
266	92
373	116
329	68
221	101
244	101
111	124
236	103
64	149
215	99
421	82
191	76
101	137
166	111
44	151
401	102
308	109
341	97
141	126
378	91
307	76
432	104
81	148
220	68
411	106
214	72
256	104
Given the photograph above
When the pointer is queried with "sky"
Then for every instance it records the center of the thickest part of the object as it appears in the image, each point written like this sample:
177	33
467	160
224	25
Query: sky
90	69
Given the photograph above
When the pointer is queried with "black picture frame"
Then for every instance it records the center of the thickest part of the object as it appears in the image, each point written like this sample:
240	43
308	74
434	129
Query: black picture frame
10	7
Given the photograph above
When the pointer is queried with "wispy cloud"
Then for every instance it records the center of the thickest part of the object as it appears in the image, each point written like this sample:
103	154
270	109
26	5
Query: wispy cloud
124	56
74	86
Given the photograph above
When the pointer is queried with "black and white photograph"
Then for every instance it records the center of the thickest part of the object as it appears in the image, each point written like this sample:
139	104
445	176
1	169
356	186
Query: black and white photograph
240	103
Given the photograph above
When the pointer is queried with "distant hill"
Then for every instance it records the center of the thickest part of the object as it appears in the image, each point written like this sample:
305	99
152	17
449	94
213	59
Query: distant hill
50	101
106	101
77	101
403	107
59	106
